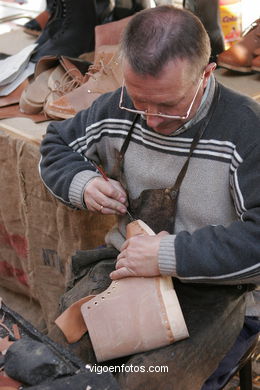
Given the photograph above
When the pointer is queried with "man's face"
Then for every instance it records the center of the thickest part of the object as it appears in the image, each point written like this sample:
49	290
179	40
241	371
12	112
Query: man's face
169	93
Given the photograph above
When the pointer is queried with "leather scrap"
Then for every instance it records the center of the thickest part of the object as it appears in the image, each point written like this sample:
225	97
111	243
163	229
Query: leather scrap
13	111
71	322
13	97
7	383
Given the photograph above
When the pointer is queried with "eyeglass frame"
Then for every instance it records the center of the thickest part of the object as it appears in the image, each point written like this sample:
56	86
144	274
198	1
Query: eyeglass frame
159	114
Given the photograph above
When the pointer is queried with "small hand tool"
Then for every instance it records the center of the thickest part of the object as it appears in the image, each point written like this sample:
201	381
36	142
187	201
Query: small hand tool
100	170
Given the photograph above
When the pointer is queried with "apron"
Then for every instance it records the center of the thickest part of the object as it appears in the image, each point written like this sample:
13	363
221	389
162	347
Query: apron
214	314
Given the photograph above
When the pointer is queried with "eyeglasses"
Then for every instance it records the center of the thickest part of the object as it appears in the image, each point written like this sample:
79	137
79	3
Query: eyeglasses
146	113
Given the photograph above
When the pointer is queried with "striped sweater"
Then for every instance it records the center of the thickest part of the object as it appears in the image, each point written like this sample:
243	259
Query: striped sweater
217	230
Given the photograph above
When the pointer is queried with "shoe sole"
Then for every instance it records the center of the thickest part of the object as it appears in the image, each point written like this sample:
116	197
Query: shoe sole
57	114
34	33
255	69
238	69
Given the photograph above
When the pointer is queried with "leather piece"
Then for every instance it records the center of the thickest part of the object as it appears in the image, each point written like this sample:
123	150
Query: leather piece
7	383
71	322
14	111
13	97
110	33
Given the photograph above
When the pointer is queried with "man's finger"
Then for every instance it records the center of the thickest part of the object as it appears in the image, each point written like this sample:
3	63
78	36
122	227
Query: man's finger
120	273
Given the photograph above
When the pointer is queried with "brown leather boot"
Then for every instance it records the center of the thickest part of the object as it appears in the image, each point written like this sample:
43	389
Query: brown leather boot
239	57
104	76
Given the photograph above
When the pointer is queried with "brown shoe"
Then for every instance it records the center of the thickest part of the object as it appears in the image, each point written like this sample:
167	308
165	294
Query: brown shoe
239	57
256	61
104	76
52	74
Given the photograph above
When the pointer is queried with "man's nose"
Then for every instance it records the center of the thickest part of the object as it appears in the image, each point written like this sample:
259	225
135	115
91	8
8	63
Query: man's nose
153	120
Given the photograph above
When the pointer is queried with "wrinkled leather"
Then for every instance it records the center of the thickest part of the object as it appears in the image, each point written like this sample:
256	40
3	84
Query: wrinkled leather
50	75
103	77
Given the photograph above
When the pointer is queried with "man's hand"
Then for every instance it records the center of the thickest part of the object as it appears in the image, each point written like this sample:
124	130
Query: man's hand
105	196
138	257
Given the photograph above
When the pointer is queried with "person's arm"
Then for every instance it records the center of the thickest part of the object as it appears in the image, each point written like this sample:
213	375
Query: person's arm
218	254
60	162
66	166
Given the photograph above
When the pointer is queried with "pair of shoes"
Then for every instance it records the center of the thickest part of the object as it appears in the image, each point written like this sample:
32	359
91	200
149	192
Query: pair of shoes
244	56
52	74
70	29
105	75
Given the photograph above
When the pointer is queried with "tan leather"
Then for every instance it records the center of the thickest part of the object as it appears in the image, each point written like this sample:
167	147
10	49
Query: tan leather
13	97
71	321
110	33
239	56
33	97
53	77
134	314
103	77
14	111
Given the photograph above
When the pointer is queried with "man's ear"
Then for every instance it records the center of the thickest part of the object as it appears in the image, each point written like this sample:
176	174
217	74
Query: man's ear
209	69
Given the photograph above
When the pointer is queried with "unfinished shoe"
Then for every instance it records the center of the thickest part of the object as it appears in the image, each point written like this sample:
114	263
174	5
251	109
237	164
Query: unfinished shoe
256	61
104	76
239	57
134	314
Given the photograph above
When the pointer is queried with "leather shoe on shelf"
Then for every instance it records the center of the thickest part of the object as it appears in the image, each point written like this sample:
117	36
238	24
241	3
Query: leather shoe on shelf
239	57
104	76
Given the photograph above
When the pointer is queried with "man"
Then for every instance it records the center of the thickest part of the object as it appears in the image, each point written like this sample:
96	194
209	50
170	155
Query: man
181	153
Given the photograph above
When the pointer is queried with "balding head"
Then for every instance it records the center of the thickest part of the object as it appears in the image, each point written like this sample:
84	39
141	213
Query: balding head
158	35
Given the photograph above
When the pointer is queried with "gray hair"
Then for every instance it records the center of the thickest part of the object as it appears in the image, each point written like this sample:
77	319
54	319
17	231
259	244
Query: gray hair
155	36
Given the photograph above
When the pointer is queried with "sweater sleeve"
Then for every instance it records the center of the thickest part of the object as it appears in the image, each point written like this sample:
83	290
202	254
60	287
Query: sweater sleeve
218	254
65	171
